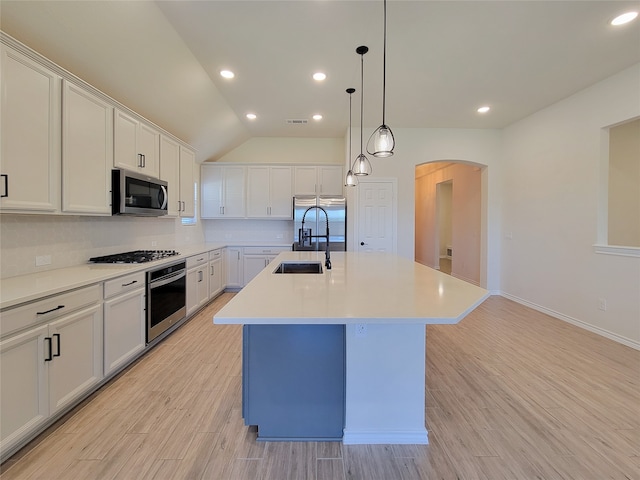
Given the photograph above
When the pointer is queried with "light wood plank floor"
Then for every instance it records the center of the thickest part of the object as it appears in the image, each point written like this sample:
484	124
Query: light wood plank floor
511	394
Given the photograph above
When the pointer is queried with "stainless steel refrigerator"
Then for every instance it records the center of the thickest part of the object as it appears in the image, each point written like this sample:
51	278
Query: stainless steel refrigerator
315	223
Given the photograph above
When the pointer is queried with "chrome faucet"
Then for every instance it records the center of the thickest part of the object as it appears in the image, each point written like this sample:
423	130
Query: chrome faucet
304	235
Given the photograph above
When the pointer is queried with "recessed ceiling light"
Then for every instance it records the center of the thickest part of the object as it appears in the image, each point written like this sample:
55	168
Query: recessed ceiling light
317	116
319	76
484	109
624	18
251	116
227	74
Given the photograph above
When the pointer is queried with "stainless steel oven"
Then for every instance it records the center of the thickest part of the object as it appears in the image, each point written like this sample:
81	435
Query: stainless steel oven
166	298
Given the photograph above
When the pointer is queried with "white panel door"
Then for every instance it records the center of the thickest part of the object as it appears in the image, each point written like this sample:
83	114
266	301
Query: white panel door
170	173
375	217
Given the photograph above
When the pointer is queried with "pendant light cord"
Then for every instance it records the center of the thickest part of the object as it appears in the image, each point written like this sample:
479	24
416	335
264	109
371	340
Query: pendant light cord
361	98
384	65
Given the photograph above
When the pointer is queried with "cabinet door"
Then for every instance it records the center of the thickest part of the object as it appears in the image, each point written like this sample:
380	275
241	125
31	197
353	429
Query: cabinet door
23	385
197	287
77	356
149	148
211	197
87	152
234	268
305	180
187	184
281	204
234	192
330	180
253	265
215	277
29	135
170	173
125	142
258	188
124	328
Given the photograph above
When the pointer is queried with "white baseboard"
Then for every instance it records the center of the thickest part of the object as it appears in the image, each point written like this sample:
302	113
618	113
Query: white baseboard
394	437
574	321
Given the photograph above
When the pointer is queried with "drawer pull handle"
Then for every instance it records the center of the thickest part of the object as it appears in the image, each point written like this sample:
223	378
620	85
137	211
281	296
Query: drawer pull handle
57	335
130	283
50	357
49	311
6	185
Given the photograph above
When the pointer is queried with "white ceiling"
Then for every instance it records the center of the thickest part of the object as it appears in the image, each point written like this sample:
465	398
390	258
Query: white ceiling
444	59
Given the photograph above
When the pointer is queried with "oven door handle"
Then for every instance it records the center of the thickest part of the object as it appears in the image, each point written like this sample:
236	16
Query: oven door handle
167	279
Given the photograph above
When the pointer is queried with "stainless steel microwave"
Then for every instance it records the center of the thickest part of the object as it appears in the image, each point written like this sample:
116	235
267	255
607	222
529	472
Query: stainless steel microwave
137	194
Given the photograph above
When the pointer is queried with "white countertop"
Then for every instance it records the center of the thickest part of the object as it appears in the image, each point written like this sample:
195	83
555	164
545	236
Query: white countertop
25	288
360	288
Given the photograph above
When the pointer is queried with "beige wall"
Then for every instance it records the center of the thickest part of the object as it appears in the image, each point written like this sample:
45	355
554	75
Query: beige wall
465	213
624	185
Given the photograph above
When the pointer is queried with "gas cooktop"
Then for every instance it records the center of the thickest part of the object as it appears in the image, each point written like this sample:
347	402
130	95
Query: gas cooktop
137	256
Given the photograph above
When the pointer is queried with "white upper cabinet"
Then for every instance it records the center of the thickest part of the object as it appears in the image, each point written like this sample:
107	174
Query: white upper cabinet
223	191
87	152
170	173
318	180
30	135
187	185
269	192
136	145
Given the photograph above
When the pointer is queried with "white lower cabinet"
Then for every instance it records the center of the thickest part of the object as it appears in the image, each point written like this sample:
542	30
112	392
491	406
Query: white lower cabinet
235	274
197	282
50	356
257	259
216	273
124	320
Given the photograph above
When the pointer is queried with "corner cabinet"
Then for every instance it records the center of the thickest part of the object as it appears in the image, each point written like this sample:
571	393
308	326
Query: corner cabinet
30	135
269	192
318	180
87	152
136	145
50	356
187	184
223	191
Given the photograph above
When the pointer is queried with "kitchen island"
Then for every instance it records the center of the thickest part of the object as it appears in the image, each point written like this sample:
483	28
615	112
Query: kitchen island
375	307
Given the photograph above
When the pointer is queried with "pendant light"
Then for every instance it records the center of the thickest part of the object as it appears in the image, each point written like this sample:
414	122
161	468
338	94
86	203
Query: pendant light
351	180
361	166
381	143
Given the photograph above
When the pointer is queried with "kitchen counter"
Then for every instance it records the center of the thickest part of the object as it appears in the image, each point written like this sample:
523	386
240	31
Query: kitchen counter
382	303
360	288
25	288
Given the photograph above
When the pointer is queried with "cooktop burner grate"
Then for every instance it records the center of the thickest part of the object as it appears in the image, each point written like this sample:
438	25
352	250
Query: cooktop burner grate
137	256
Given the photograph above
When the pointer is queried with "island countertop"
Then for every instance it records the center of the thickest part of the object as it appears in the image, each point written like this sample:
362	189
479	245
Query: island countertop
359	288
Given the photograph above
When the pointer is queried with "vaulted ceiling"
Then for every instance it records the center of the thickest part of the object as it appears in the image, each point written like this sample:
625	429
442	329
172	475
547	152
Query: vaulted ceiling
444	60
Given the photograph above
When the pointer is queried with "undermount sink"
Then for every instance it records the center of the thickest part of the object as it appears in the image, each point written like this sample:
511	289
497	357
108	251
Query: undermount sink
299	267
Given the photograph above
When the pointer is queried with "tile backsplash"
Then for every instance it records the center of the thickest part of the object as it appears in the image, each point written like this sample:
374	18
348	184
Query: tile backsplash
72	240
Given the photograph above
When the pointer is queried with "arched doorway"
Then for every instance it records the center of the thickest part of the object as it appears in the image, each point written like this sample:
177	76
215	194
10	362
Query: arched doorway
450	204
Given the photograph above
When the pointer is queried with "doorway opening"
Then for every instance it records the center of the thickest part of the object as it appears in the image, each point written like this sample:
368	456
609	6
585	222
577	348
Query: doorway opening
450	218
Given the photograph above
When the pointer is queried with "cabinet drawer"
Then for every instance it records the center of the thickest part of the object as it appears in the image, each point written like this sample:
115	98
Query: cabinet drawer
47	309
197	260
215	254
123	284
265	250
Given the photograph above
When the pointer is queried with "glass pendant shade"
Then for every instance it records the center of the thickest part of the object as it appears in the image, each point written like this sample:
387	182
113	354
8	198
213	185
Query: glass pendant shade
381	143
362	166
352	180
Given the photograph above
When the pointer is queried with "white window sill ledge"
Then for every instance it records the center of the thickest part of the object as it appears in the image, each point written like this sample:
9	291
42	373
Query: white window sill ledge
617	250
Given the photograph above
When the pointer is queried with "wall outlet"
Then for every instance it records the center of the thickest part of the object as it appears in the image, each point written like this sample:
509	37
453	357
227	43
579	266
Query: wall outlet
154	244
43	260
602	304
361	329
